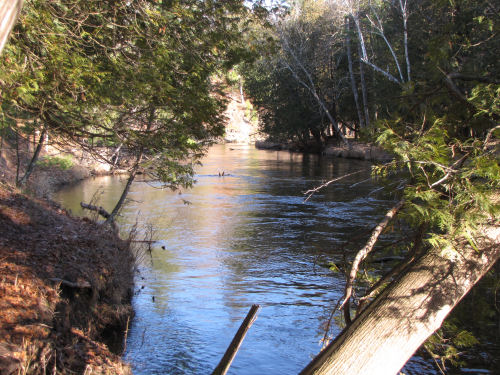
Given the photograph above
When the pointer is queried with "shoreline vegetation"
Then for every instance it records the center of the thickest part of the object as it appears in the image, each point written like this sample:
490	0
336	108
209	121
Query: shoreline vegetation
355	150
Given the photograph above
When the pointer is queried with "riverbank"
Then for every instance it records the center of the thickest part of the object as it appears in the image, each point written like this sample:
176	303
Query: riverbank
66	288
65	282
57	167
357	150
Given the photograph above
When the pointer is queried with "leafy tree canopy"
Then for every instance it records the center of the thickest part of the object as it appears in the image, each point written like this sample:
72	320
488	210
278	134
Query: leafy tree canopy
138	74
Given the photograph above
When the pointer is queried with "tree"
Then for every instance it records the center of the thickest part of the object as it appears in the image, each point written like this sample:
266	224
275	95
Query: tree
137	76
299	88
9	12
306	54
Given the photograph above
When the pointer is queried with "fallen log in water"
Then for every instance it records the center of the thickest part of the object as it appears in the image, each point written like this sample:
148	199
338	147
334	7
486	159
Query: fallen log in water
231	351
101	211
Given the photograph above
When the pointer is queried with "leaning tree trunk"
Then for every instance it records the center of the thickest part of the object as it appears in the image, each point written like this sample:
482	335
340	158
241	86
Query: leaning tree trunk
110	219
34	159
9	11
387	333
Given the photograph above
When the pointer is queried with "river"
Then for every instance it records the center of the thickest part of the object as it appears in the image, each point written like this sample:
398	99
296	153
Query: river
231	241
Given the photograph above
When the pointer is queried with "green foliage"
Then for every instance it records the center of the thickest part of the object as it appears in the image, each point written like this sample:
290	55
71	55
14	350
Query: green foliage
136	74
61	162
442	125
251	113
287	109
448	343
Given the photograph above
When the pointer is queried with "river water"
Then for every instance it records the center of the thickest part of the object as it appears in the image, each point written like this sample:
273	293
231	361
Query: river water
231	241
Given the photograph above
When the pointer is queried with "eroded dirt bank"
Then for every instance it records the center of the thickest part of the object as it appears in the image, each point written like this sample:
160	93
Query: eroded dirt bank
65	288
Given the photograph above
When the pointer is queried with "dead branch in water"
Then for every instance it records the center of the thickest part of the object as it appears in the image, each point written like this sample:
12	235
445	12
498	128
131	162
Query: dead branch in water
101	211
231	351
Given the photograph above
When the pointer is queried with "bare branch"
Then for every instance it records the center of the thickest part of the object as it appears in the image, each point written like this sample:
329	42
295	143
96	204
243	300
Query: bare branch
379	27
398	269
388	75
310	192
488	137
363	253
311	87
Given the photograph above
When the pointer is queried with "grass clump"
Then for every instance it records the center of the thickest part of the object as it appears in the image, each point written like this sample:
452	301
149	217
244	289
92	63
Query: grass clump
61	162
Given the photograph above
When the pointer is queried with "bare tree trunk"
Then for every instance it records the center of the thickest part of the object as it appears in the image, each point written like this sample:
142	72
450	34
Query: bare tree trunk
34	159
404	12
351	73
241	93
9	11
101	211
18	155
111	218
133	173
364	93
387	333
223	366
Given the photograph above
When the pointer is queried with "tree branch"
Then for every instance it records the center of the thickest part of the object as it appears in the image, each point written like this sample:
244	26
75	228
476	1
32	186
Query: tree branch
310	192
101	211
362	254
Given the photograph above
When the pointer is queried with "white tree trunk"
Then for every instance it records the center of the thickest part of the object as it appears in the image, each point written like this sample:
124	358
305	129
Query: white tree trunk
9	11
364	92
387	333
404	12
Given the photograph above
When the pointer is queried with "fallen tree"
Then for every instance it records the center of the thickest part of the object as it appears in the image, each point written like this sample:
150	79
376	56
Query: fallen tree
387	332
9	11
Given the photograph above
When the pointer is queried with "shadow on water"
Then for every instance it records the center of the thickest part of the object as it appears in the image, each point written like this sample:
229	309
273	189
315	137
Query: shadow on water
246	237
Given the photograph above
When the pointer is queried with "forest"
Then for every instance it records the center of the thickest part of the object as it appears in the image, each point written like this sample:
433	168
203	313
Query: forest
419	78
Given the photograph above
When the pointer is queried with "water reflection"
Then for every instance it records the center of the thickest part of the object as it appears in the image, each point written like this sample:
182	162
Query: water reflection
247	237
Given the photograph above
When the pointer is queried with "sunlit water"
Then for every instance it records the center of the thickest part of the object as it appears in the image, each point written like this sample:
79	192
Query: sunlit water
231	241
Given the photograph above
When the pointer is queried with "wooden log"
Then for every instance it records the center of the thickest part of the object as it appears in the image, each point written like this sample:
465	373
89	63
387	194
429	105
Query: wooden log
231	351
101	211
71	284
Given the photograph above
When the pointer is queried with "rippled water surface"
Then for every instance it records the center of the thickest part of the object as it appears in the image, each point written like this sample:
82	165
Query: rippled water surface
235	240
